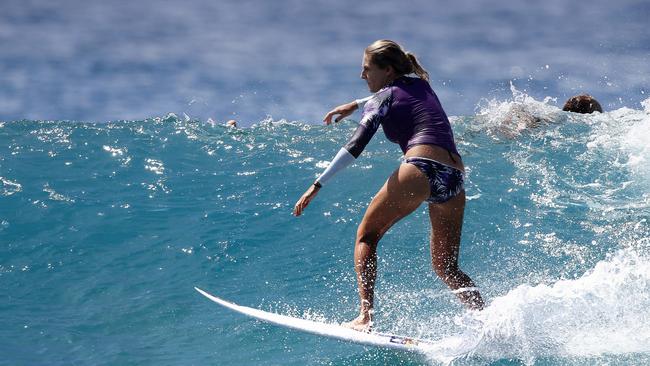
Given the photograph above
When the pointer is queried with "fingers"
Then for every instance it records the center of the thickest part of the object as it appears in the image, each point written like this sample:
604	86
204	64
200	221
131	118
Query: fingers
342	110
303	202
297	209
328	117
300	207
342	115
332	113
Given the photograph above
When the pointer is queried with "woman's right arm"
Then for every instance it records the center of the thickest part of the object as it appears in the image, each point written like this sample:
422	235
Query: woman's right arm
345	110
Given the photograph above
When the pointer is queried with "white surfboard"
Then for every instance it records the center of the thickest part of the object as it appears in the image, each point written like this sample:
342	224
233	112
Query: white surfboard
335	331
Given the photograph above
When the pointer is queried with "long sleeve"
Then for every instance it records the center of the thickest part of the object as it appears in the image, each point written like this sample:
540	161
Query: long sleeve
374	113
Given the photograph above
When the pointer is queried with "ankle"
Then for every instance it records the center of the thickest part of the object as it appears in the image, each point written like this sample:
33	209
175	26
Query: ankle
366	307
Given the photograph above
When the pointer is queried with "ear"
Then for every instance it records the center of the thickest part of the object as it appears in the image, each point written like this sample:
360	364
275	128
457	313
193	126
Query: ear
390	71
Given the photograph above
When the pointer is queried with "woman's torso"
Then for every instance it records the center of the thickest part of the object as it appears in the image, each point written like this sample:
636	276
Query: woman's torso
417	122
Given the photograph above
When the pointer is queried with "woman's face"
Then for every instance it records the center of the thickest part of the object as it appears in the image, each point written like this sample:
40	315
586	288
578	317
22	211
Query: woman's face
375	76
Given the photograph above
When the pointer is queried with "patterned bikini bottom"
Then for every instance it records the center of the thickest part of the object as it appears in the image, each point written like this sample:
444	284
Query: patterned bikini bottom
445	181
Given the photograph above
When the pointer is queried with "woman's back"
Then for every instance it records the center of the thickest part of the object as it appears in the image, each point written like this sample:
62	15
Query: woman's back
415	116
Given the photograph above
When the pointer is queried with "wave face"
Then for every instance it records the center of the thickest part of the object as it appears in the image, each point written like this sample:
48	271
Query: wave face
106	228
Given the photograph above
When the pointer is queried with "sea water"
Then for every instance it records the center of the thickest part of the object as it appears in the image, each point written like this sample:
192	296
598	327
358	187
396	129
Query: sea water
105	229
99	61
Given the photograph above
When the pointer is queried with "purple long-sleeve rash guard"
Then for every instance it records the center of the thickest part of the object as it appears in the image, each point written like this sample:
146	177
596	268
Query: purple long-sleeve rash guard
410	114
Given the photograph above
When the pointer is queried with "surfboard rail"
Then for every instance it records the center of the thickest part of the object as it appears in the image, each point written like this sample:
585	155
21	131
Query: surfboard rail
329	330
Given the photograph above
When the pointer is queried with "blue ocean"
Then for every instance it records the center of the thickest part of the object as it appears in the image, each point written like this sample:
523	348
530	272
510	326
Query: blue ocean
121	188
106	228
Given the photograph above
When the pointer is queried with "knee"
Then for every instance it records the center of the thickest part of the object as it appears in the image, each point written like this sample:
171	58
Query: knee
368	237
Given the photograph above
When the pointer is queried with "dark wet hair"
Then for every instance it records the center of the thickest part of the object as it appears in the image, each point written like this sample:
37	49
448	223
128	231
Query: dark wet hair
384	53
583	103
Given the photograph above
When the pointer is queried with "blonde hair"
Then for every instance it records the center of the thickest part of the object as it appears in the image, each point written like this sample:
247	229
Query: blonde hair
384	53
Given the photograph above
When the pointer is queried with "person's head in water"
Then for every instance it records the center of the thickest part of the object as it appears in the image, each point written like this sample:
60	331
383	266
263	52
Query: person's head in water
384	61
583	103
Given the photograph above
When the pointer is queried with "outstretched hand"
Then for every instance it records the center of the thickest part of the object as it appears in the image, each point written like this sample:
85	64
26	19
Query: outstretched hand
343	111
305	199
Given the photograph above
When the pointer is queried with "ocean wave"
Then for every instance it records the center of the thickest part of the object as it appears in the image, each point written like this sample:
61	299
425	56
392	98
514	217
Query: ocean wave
556	232
604	312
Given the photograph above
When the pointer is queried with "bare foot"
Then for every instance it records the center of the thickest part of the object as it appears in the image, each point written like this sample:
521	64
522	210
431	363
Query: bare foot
362	323
470	297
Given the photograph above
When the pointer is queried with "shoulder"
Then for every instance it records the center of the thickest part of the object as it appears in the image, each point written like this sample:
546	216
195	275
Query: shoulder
409	86
420	84
377	108
379	100
406	81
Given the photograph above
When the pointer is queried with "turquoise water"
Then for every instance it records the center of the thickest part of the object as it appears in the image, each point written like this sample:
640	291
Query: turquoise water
106	228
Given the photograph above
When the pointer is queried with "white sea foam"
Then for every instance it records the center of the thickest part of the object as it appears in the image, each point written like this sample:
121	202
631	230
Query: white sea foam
9	187
53	195
155	166
646	105
113	150
522	112
617	152
604	312
621	139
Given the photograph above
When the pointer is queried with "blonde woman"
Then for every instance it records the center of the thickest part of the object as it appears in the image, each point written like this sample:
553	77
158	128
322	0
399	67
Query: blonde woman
411	115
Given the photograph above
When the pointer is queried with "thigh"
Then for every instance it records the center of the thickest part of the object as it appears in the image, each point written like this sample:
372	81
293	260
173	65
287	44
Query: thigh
402	193
446	227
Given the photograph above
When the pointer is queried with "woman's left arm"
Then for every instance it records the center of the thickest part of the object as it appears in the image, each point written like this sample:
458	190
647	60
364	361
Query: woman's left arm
309	195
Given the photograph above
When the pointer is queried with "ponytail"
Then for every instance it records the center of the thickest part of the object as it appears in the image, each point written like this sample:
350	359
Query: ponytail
417	68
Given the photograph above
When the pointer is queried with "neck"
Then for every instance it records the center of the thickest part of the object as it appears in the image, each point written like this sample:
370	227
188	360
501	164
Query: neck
391	79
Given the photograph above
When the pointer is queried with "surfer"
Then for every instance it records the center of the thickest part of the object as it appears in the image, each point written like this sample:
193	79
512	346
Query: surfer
527	115
583	103
432	170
